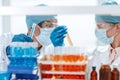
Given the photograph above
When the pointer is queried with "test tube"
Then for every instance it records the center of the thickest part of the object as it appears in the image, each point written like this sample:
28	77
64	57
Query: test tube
34	49
33	30
69	40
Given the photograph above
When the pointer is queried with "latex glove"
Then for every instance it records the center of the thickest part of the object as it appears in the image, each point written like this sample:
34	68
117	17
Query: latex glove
21	38
18	38
58	35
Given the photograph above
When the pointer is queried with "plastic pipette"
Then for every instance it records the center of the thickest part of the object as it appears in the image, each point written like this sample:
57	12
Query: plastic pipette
69	40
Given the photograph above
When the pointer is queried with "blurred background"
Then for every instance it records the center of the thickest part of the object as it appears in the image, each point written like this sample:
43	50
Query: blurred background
80	26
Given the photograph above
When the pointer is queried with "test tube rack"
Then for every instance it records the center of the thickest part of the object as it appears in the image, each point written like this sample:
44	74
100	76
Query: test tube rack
73	68
23	64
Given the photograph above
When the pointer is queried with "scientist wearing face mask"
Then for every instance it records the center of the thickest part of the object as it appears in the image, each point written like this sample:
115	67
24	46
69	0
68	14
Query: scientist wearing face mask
108	33
47	32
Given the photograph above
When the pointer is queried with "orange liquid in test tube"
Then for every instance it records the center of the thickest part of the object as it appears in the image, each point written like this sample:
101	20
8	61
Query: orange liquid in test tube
57	76
64	67
85	58
57	67
81	58
47	75
46	67
67	76
75	58
70	58
55	58
64	58
84	67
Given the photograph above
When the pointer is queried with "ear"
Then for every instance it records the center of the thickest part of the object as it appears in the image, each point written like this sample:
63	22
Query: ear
29	30
118	26
37	30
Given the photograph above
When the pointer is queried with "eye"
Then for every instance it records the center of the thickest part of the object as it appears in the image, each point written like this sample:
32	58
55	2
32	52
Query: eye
47	25
100	25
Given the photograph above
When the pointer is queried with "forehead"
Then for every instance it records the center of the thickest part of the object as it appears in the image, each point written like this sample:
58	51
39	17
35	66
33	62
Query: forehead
51	20
103	22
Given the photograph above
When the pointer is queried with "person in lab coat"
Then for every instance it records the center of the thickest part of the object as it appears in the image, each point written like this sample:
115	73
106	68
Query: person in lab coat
107	33
47	32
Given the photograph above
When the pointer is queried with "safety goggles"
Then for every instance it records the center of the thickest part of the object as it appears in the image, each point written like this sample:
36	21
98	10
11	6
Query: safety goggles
48	24
103	25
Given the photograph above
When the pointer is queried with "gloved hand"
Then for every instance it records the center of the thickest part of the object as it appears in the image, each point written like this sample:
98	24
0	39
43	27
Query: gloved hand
58	35
19	38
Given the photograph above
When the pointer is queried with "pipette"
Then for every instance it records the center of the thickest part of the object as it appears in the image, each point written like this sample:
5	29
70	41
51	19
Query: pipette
69	40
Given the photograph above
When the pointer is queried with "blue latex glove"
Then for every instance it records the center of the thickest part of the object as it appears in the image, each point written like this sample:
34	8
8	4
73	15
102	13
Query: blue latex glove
19	38
58	35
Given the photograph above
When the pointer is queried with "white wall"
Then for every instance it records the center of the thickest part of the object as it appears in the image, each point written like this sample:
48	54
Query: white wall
80	27
1	26
18	24
0	20
53	2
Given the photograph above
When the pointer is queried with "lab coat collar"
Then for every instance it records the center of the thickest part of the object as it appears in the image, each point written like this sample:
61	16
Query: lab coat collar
114	54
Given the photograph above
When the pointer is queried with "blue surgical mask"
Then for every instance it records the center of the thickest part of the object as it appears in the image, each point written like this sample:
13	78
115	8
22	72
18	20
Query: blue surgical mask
44	37
102	36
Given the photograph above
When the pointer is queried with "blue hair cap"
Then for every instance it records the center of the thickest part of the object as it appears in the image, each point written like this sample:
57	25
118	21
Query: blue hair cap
109	2
108	18
31	19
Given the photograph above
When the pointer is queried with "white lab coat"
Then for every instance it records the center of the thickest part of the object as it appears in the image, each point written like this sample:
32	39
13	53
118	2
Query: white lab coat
101	56
5	40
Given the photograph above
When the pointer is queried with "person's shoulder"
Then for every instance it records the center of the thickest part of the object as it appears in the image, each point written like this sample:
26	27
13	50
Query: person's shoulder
101	52
103	49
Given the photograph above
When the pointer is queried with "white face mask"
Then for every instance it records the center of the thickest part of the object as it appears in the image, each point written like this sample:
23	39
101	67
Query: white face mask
44	37
102	36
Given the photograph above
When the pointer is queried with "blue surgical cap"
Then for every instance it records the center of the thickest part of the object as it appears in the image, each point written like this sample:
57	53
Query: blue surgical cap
109	2
31	19
108	18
